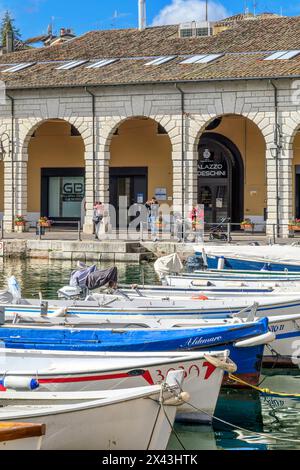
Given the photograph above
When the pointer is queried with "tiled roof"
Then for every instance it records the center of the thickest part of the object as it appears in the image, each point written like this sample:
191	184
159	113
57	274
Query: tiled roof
244	46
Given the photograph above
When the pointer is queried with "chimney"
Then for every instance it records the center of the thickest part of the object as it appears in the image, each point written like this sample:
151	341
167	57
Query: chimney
142	14
9	42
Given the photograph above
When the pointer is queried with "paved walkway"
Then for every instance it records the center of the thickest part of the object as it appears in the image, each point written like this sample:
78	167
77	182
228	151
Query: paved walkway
72	235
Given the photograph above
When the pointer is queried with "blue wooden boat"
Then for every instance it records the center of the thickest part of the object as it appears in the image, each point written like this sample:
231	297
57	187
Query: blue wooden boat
248	264
270	259
247	356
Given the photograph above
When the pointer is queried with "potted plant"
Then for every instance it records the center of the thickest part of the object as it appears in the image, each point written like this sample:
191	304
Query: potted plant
20	223
247	224
294	225
44	222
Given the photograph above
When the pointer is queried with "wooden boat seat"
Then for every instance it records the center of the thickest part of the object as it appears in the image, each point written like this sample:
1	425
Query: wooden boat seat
13	431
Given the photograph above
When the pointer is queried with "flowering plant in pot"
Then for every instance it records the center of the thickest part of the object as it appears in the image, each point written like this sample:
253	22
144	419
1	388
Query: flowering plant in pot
44	222
20	221
247	224
294	224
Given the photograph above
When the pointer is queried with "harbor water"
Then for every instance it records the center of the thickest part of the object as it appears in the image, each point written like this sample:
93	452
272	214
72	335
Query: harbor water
255	421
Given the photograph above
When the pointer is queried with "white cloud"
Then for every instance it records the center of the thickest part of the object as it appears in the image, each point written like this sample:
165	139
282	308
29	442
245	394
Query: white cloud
180	11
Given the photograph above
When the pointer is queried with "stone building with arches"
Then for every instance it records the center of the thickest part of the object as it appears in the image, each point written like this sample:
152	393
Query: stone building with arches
209	119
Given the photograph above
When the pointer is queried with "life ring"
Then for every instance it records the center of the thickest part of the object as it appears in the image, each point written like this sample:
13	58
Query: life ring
199	297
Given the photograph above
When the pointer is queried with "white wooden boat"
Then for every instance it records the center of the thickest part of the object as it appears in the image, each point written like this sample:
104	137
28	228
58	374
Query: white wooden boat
208	291
59	371
21	436
130	419
197	306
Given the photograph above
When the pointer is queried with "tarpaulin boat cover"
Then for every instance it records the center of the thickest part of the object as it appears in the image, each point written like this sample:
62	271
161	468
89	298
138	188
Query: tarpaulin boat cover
79	277
98	279
170	264
277	253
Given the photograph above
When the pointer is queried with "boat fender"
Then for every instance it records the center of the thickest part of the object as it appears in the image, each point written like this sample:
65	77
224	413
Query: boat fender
228	365
62	312
199	297
19	383
182	397
256	340
221	263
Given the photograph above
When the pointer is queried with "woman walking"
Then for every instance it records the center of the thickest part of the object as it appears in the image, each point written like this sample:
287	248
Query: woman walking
154	217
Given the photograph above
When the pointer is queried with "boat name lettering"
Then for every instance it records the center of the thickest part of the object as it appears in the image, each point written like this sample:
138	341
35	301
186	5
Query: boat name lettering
194	369
198	341
275	328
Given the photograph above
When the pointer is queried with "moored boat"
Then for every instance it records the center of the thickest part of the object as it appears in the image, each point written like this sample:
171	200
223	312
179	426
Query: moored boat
282	352
59	371
278	258
130	419
245	341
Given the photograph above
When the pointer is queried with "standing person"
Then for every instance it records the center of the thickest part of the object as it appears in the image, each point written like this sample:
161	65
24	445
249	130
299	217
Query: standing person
154	210
98	219
148	207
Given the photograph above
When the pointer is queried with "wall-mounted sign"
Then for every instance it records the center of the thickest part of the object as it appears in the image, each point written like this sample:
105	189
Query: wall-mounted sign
161	194
206	154
219	202
140	198
72	191
210	169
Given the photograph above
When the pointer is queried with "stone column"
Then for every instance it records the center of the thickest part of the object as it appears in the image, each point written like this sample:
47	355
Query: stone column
184	173
284	174
101	181
285	190
88	226
15	191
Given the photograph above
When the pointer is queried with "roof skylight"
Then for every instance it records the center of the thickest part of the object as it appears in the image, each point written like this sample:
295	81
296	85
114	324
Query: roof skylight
18	67
283	55
161	60
72	65
101	63
201	59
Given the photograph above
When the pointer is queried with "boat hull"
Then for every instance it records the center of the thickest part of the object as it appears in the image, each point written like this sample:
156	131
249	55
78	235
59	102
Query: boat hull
67	372
250	264
130	424
248	359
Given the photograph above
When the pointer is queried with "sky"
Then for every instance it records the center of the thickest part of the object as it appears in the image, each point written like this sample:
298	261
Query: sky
33	16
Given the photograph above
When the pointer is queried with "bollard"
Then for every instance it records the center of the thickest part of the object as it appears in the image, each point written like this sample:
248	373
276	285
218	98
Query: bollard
79	231
228	232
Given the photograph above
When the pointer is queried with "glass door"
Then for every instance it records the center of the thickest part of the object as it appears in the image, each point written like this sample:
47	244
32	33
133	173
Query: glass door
221	206
65	195
206	198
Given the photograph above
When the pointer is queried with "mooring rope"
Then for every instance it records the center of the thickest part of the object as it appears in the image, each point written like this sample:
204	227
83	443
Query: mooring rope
263	390
262	434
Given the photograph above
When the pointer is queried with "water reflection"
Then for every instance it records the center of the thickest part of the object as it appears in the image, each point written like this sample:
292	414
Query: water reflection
278	415
47	276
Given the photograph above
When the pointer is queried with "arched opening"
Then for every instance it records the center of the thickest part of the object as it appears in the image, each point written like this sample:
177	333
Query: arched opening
56	172
232	171
140	163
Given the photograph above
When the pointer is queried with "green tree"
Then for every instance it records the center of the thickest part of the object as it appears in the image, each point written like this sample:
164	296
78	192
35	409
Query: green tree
8	24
